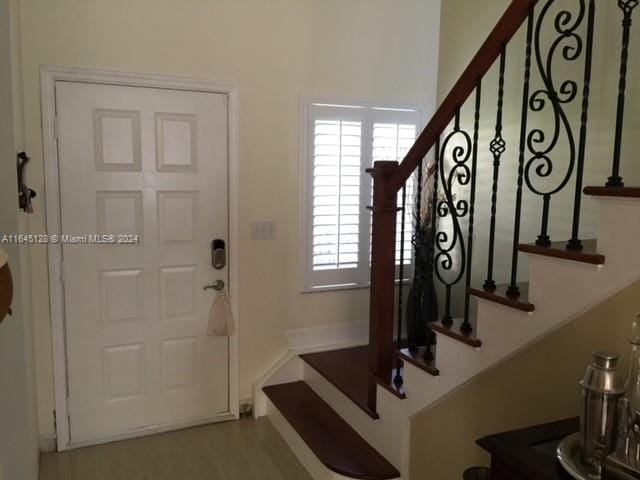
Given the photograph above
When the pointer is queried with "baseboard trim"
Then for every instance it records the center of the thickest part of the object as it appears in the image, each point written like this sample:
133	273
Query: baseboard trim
348	334
48	443
148	431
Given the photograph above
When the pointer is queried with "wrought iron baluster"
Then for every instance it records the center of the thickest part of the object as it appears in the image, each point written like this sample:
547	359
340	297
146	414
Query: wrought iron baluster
497	148
397	378
568	45
466	327
575	243
543	239
627	7
514	290
448	244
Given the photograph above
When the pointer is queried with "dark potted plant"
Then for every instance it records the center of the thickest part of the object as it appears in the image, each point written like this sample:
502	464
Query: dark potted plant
422	301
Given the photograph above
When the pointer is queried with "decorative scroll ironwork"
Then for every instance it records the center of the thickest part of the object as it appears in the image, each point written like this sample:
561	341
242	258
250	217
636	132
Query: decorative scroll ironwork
569	44
450	242
627	7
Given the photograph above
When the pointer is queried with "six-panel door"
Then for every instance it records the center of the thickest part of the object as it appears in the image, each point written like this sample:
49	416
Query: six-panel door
148	166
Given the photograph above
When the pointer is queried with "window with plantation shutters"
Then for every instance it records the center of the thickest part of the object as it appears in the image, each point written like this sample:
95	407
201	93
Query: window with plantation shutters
339	143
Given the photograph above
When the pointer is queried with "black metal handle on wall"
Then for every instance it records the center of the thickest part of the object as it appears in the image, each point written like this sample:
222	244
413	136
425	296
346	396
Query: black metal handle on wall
25	194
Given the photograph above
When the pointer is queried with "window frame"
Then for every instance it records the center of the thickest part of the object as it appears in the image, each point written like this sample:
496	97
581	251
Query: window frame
365	111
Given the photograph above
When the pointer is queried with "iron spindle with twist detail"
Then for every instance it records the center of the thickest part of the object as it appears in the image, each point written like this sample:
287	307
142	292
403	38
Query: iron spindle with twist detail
556	95
466	327
411	339
397	379
497	147
514	290
450	243
627	7
575	244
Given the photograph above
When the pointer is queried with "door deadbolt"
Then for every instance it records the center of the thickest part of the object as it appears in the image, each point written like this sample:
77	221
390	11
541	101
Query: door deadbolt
218	254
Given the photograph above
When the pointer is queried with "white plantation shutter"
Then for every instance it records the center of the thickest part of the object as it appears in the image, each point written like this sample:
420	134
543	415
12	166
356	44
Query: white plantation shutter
336	194
341	142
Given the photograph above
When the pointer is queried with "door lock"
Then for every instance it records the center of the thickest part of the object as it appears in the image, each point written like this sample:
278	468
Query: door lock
218	254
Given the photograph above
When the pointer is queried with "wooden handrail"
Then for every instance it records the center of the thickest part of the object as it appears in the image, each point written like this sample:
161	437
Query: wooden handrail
505	29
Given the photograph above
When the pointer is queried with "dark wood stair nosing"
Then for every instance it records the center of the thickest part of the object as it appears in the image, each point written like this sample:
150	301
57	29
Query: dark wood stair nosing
418	361
332	440
456	333
389	386
503	299
620	192
588	255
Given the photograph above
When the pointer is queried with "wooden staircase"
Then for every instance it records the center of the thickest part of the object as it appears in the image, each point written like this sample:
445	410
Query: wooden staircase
346	412
338	378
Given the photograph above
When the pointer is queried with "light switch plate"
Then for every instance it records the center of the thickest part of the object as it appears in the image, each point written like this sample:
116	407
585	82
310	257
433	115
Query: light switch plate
263	230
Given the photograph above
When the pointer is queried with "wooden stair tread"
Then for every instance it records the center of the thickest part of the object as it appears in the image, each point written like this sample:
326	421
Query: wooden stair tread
454	331
500	296
332	440
589	254
628	192
347	370
418	360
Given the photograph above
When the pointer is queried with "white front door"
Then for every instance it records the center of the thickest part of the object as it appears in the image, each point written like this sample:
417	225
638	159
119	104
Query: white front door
149	164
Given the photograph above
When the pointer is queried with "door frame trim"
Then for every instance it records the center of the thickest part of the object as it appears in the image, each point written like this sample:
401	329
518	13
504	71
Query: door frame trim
49	75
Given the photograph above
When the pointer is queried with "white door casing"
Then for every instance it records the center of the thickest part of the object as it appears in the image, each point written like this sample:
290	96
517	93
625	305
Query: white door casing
151	162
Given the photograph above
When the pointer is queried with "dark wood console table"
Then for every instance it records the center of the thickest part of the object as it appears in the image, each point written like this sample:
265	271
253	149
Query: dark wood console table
530	453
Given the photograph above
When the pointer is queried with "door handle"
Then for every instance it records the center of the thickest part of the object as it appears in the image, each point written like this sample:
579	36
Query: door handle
218	286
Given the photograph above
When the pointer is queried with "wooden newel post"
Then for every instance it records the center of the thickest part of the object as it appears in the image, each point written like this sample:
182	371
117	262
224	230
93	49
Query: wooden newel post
381	307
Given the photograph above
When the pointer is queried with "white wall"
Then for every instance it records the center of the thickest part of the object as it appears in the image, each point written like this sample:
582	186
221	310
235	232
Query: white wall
277	51
18	415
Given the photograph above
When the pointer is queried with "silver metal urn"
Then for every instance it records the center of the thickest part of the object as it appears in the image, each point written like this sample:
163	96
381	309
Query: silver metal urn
602	388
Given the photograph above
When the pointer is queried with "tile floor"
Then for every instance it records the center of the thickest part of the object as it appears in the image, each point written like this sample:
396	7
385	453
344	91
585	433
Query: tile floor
244	450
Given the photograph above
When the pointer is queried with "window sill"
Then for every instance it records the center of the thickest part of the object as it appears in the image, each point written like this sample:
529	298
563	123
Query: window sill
333	288
338	288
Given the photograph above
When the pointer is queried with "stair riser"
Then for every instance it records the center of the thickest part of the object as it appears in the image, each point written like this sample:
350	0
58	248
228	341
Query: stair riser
289	369
619	236
381	434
